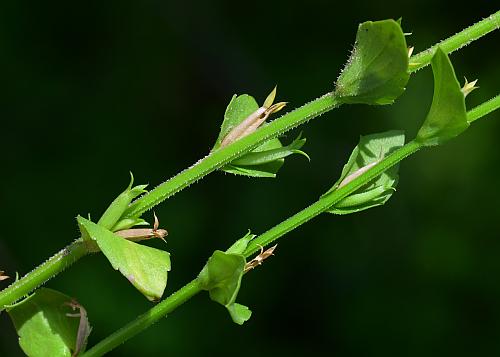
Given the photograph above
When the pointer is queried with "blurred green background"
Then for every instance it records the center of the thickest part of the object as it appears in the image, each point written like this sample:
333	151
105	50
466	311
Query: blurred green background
95	89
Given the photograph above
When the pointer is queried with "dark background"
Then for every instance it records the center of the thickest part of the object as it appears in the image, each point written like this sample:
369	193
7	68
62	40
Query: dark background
94	89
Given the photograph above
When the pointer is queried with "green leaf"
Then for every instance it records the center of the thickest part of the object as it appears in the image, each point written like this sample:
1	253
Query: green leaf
221	277
145	267
43	326
127	223
263	171
238	109
369	151
270	152
447	116
239	313
377	71
241	244
266	159
115	210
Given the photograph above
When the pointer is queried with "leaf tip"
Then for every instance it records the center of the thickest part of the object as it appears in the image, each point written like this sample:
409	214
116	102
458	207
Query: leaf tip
270	98
131	180
239	313
303	153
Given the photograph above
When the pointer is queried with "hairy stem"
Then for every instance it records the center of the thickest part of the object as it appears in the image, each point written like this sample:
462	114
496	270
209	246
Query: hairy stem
483	109
215	160
311	110
326	202
457	41
42	273
323	204
142	322
223	156
274	233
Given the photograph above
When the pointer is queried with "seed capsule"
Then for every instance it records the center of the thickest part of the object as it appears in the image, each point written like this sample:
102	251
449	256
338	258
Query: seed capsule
254	120
138	234
357	173
263	255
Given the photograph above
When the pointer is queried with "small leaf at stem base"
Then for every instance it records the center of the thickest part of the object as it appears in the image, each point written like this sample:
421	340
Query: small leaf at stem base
221	277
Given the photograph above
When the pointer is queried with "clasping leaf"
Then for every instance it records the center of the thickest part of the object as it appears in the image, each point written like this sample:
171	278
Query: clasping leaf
145	267
114	212
266	159
377	71
222	275
369	151
447	116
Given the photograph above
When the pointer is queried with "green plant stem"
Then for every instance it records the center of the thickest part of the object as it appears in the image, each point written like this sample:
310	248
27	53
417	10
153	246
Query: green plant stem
215	160
483	109
221	157
323	204
457	41
42	273
192	288
142	322
326	202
